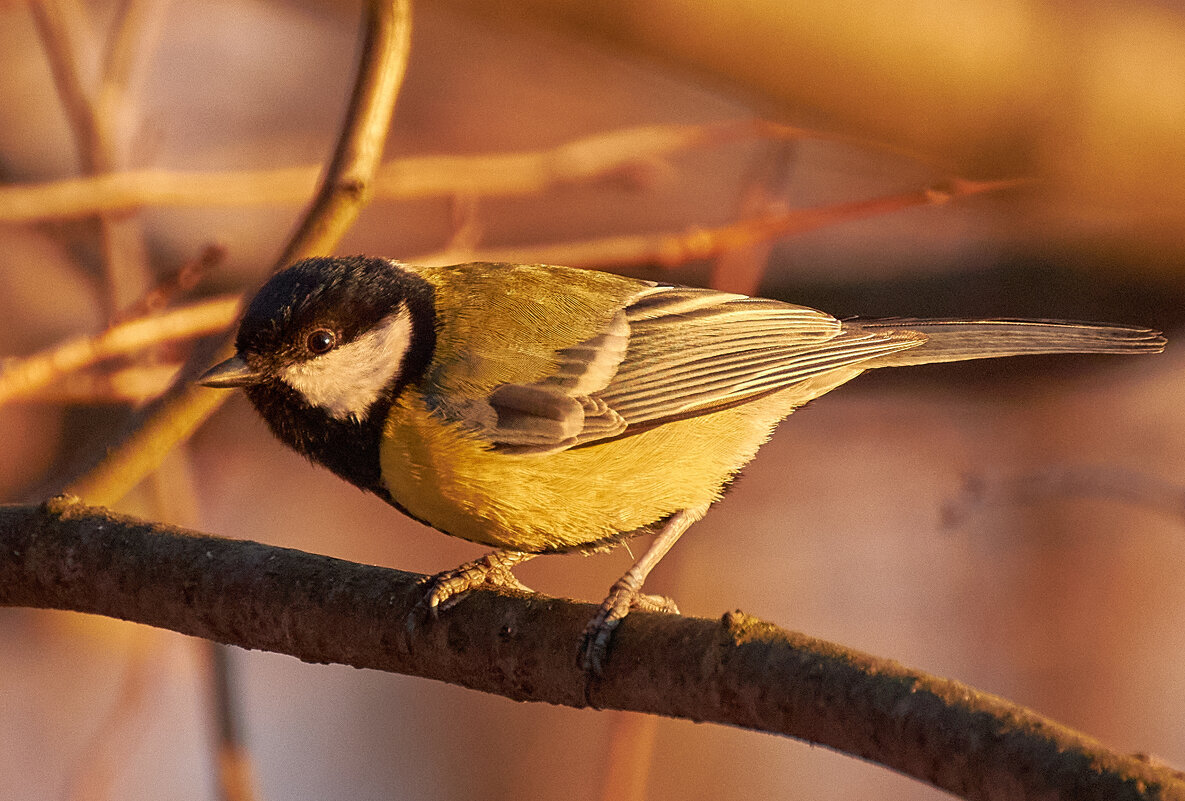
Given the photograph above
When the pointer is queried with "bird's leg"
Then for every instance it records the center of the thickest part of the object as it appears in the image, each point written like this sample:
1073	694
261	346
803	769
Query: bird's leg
626	592
491	570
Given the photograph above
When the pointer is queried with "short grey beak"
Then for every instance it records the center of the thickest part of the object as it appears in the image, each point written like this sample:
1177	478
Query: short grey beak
234	372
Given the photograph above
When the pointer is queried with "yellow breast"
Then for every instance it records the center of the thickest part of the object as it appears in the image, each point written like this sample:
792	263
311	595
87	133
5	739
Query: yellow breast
573	499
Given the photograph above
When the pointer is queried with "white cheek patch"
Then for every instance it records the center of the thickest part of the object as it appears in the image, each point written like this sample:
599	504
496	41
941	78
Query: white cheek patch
348	380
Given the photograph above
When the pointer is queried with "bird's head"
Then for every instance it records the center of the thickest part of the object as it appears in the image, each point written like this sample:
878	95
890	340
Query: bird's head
336	335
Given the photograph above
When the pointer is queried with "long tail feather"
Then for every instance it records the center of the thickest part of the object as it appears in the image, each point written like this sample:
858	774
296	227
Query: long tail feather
957	340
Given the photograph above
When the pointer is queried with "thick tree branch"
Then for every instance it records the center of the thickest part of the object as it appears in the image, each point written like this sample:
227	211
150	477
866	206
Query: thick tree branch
738	671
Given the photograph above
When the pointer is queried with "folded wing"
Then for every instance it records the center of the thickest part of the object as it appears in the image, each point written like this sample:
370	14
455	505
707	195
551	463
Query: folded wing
670	354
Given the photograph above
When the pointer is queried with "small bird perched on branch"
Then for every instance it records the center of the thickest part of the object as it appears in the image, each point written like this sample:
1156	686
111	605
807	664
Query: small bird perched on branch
539	409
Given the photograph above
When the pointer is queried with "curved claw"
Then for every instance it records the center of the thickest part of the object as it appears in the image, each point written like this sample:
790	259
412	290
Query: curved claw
626	593
655	603
594	644
445	589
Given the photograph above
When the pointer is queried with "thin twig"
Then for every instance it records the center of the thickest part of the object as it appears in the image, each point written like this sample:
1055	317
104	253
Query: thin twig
349	178
125	386
93	122
465	222
673	250
133	189
124	42
738	671
621	152
121	237
1104	482
56	39
180	411
175	284
23	376
630	758
121	730
236	774
174	497
741	270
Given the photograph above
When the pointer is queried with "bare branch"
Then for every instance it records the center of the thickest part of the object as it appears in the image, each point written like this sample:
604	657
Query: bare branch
738	671
23	376
180	411
133	189
235	772
625	152
762	193
1104	482
97	768
93	121
348	181
627	766
129	385
672	250
180	281
52	27
126	39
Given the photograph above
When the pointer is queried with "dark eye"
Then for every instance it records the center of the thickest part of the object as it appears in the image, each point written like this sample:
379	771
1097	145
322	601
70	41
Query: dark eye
320	341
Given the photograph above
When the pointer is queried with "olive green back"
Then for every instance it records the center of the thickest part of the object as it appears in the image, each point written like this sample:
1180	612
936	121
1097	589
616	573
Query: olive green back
505	322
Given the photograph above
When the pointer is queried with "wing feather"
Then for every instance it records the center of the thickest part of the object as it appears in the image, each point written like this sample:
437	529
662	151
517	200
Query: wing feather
669	354
742	375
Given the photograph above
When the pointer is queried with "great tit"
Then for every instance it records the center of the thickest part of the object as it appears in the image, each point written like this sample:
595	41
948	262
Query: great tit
539	409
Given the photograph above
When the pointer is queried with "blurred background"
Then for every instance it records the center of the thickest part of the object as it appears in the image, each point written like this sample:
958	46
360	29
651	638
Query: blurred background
1016	525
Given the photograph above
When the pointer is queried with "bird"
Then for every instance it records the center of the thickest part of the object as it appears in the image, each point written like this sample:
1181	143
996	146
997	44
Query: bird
538	409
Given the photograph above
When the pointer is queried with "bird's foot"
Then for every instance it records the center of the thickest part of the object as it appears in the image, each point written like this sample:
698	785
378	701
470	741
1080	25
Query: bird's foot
655	603
492	570
624	596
